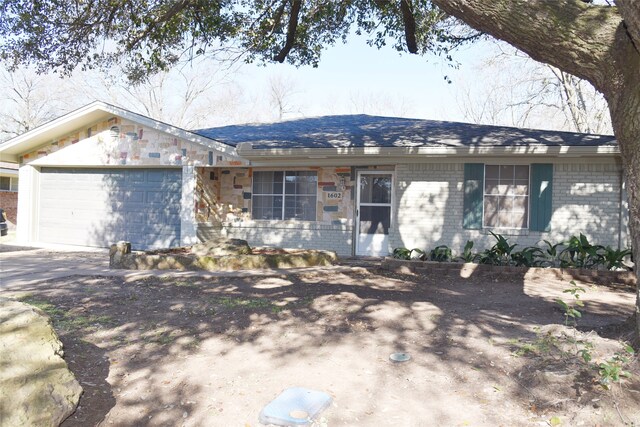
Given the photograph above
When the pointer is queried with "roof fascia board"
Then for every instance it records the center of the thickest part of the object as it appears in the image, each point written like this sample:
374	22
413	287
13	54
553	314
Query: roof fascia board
535	150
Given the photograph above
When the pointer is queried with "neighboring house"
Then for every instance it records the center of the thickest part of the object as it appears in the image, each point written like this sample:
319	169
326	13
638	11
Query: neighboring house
355	184
9	190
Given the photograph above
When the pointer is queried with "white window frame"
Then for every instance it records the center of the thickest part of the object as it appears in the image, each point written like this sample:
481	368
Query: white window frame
13	184
528	196
284	195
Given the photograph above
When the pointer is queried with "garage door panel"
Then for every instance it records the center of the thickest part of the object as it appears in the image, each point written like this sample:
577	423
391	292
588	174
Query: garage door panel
98	207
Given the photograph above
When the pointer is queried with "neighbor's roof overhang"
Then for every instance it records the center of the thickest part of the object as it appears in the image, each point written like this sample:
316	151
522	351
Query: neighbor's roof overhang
87	116
345	154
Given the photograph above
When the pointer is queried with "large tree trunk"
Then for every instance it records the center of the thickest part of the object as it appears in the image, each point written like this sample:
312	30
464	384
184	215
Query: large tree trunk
624	105
597	43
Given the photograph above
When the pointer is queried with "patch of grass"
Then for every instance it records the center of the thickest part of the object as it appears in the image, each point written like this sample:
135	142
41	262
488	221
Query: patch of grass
542	345
243	302
44	305
66	320
184	284
259	303
163	338
70	321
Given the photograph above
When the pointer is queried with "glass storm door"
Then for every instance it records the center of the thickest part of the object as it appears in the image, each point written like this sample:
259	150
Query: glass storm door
373	213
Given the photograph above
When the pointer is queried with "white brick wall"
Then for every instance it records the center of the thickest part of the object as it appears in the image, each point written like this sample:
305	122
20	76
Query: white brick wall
429	199
286	234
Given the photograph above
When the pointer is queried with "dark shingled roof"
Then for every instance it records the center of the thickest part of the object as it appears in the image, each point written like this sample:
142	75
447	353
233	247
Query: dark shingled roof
372	131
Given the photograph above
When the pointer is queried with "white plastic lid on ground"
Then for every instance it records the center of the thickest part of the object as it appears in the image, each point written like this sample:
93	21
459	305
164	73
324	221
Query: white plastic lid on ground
296	406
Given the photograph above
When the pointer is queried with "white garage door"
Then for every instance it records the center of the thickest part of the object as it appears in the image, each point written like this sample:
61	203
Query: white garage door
98	207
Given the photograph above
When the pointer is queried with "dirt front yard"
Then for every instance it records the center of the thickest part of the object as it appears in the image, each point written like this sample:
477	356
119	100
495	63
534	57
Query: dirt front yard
212	352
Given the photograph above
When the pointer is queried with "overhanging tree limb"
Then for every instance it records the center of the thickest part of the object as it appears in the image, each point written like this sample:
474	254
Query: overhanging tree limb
291	31
571	35
630	11
409	26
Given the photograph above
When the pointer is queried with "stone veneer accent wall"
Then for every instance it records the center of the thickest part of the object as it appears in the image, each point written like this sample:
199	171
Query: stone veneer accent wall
224	209
586	199
224	194
121	142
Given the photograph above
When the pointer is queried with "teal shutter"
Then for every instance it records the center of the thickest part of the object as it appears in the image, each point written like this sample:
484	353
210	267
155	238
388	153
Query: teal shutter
540	199
473	192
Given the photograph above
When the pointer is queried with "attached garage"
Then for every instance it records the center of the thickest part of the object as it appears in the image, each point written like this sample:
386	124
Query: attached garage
102	174
98	207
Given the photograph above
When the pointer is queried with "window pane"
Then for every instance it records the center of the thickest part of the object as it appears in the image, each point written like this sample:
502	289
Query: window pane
506	196
504	219
375	219
375	189
506	203
302	208
491	186
297	189
492	172
503	189
267	207
520	204
506	172
265	182
491	211
301	182
5	183
521	189
522	172
14	184
520	220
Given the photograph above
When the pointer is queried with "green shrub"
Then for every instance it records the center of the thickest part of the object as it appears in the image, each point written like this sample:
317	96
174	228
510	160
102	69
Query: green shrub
613	259
467	255
401	253
499	253
441	253
531	256
580	253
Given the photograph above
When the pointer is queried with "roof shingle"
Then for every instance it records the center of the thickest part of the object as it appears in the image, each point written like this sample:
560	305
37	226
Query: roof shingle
372	131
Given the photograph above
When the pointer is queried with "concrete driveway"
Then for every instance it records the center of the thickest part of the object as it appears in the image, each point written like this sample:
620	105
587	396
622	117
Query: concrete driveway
22	266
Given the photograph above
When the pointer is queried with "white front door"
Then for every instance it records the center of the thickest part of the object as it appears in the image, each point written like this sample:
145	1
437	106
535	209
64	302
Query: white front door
373	213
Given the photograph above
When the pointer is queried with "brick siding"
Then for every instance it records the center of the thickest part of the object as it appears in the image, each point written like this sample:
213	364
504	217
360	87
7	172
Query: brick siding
429	198
9	202
285	234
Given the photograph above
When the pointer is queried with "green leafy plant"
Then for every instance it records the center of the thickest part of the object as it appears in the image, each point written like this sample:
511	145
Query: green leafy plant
612	370
613	259
580	253
401	253
499	253
531	256
571	313
416	253
467	255
551	253
440	253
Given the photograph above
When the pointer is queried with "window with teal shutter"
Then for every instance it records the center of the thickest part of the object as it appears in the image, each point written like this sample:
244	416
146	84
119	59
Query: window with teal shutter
473	191
541	194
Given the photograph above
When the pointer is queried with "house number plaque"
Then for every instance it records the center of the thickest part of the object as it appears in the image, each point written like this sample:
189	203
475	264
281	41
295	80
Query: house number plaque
334	195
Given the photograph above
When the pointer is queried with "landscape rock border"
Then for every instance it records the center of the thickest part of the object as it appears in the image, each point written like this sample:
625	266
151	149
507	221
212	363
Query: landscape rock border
38	389
121	257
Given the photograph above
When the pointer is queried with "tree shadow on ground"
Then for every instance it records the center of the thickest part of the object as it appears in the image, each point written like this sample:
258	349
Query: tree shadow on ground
460	333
